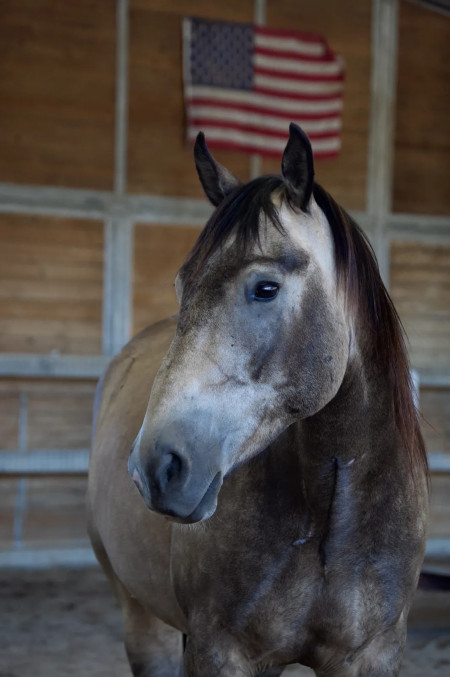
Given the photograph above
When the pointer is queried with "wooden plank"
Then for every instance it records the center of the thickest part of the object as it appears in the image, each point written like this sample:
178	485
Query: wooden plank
8	493
57	92
55	511
439	526
74	556
54	366
346	26
9	420
382	110
420	228
420	289
45	386
51	283
59	414
439	463
121	107
117	289
159	160
60	420
435	411
422	138
61	462
159	252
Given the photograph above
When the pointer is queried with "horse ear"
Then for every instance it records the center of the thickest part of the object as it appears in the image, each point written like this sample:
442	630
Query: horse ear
216	180
297	167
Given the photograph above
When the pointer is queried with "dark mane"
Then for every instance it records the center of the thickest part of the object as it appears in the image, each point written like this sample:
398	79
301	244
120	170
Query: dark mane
249	206
357	269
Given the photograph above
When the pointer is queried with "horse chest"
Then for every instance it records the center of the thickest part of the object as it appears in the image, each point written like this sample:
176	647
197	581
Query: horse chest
275	598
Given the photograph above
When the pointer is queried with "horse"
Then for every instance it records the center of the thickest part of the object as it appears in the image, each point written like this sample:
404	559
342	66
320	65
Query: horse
273	507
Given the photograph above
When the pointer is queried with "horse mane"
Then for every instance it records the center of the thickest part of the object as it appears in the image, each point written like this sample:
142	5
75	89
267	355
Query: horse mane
247	207
357	270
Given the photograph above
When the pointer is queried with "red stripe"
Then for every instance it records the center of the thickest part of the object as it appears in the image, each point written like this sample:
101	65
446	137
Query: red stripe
289	96
307	77
262	150
294	56
286	33
249	108
204	123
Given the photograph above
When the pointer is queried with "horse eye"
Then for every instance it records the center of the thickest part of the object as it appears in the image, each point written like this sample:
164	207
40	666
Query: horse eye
265	291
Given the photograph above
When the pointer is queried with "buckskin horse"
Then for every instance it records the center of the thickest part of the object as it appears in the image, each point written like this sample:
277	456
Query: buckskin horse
273	508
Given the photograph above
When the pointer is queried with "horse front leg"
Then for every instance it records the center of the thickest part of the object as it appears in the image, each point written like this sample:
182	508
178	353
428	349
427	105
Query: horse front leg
210	657
154	649
382	657
220	658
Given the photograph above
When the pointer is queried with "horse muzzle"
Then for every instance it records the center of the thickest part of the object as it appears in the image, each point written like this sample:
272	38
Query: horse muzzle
173	485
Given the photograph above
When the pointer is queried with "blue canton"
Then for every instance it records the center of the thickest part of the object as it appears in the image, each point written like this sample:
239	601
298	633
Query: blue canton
221	54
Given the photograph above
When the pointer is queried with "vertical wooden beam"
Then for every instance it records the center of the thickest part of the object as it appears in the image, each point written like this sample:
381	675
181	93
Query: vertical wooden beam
117	283
20	503
259	19
121	108
382	120
118	229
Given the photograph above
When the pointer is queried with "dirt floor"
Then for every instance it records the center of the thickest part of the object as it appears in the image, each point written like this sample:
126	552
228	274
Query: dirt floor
65	622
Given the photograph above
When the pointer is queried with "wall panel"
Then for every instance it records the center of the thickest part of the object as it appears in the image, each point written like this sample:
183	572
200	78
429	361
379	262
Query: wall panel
435	410
420	288
57	69
59	412
9	417
159	160
422	137
55	511
50	285
57	415
346	27
440	507
8	495
159	251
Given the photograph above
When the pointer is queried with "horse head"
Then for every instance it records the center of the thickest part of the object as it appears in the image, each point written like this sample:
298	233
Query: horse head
263	336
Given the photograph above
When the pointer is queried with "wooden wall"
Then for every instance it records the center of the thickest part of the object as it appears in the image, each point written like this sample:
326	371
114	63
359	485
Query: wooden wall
59	416
422	135
59	413
51	278
54	512
159	160
346	26
162	163
57	71
159	251
420	288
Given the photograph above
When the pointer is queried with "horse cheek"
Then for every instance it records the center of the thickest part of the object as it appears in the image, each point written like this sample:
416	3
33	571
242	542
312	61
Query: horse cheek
316	354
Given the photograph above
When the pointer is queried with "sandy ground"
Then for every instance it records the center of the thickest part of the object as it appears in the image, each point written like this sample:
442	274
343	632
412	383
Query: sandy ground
65	622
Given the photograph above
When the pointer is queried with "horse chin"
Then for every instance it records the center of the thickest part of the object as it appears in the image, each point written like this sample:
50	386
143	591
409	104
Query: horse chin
204	509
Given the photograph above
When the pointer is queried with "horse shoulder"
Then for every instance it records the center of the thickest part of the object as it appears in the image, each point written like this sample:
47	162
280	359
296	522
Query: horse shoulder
119	524
125	386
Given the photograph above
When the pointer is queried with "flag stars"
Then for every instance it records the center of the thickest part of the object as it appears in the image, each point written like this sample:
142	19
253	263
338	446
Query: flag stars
221	54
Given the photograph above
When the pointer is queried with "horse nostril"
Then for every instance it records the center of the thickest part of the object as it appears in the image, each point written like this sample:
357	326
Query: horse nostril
170	469
174	467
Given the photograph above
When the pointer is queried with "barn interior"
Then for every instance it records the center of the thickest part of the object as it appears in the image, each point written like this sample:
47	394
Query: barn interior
100	204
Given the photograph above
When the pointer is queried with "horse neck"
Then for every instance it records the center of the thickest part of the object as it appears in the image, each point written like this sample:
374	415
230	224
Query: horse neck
357	428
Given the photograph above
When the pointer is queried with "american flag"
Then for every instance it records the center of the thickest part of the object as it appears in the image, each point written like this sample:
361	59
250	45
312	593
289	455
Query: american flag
243	84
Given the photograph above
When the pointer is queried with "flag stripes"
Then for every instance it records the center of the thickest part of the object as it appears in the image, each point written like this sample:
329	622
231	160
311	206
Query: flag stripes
292	76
